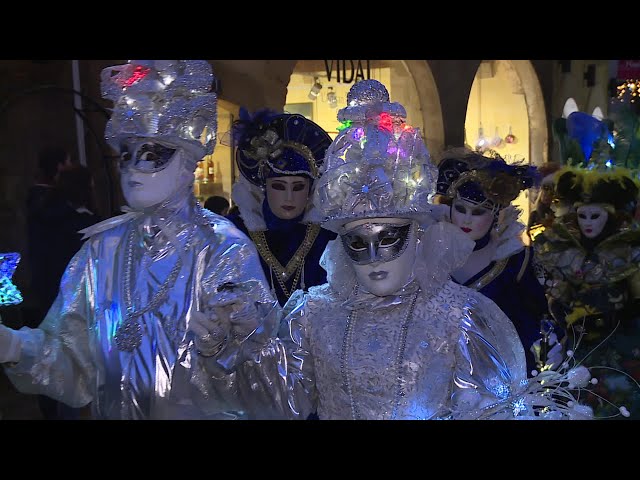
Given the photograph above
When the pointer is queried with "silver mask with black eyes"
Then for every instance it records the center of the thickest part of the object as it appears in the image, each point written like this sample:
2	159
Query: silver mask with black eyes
146	156
376	242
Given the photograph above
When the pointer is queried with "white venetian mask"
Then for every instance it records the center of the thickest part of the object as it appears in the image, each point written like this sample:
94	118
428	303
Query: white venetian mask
383	252
592	219
287	195
151	171
472	219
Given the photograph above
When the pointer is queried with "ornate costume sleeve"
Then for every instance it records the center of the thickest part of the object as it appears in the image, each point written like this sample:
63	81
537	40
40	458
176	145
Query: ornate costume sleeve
490	361
491	383
279	382
233	270
56	358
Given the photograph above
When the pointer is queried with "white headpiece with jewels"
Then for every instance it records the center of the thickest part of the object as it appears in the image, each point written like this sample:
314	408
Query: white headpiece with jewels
164	99
377	166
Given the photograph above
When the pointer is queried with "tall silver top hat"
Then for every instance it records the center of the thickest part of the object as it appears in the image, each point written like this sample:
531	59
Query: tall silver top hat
164	99
377	166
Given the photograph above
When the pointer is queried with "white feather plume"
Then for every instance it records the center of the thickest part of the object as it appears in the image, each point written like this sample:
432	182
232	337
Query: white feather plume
249	198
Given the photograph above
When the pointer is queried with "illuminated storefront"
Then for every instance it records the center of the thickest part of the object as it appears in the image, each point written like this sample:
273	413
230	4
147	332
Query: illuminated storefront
215	174
318	88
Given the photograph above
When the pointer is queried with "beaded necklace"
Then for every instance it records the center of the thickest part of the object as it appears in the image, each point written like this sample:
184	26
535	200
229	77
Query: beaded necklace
347	348
295	264
128	335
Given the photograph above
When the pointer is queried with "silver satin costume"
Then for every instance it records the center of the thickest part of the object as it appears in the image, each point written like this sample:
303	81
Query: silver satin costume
433	349
74	357
350	355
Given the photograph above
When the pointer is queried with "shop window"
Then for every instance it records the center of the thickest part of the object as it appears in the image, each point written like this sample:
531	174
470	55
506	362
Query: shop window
304	109
214	174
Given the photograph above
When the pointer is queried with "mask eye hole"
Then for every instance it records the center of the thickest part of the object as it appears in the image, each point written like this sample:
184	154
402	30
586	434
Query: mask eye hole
147	153
388	241
125	157
298	187
460	208
357	244
153	157
595	216
478	212
582	216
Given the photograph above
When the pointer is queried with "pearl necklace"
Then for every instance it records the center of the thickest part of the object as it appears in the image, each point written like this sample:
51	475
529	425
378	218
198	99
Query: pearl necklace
347	347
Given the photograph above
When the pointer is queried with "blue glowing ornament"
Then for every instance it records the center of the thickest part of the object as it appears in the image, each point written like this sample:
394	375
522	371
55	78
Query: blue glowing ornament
587	131
9	293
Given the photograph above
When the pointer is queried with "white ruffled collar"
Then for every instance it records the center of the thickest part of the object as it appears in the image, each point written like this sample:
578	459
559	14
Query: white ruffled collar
508	235
510	230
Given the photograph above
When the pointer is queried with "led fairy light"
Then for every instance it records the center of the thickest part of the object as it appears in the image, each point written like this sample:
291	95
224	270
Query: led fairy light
631	87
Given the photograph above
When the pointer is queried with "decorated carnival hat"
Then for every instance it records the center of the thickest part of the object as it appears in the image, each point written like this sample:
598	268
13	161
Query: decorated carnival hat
272	144
484	179
162	99
614	189
377	166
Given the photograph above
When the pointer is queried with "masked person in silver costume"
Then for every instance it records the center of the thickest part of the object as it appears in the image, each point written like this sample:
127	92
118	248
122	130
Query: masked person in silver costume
391	336
127	331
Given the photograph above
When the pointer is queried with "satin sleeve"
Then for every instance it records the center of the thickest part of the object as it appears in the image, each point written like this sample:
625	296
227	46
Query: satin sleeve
491	381
279	381
233	265
56	358
223	381
490	363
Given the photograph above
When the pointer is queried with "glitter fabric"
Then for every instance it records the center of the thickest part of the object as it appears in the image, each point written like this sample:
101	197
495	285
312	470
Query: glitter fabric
118	334
168	99
376	167
455	356
9	293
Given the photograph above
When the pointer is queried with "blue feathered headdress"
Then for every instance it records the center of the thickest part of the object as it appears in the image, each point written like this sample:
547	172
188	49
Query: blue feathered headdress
272	144
483	178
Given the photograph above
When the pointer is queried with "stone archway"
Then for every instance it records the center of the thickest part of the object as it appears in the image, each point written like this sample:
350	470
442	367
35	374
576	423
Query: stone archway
429	101
538	129
426	101
512	91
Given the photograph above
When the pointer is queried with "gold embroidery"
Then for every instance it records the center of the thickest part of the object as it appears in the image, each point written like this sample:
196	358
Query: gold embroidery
488	277
525	262
295	264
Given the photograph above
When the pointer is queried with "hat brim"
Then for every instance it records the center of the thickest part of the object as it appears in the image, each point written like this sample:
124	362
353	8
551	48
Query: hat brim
337	225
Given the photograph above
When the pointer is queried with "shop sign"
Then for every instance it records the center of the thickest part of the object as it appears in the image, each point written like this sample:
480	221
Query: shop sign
347	71
628	69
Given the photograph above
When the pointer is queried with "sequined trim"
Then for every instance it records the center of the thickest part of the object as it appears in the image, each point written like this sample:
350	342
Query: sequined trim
295	264
523	267
488	277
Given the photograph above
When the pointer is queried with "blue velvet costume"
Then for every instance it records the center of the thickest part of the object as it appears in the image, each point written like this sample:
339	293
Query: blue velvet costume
268	145
284	237
512	285
509	279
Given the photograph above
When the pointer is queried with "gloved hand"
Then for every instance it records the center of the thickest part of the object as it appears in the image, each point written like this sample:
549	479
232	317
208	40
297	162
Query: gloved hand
555	353
210	332
10	345
227	315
